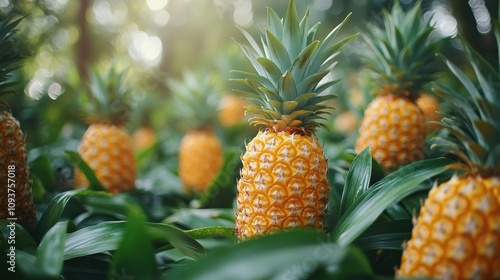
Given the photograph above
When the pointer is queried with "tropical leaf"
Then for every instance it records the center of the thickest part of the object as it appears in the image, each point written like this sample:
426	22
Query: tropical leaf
57	206
358	179
132	260
392	188
285	255
106	237
198	218
77	160
48	261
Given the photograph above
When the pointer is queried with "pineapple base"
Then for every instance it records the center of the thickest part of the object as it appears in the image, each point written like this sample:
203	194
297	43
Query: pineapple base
283	184
457	235
14	174
394	128
108	150
200	159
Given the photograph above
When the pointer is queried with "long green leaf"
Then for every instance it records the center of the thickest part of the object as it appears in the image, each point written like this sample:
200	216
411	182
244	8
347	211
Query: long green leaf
186	244
284	255
106	237
358	179
77	160
50	253
54	211
376	199
95	239
131	259
388	235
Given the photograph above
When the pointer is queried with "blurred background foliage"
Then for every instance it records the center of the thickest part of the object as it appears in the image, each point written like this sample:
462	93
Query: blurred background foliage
162	38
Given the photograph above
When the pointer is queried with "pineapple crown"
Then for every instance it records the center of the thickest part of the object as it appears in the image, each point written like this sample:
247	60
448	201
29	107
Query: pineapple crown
399	53
290	63
195	99
10	55
474	125
106	98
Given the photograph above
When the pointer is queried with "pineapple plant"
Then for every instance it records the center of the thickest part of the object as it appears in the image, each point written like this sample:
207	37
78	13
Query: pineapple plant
195	99
400	56
283	182
15	191
457	233
106	145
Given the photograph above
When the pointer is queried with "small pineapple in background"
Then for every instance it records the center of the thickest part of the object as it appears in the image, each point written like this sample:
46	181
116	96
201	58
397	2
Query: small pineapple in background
15	190
231	110
457	234
144	134
346	122
143	137
106	145
400	56
200	152
283	181
430	107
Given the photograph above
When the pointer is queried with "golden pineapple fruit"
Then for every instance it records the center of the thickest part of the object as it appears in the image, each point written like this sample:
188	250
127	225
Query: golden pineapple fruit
106	146
283	182
400	56
16	199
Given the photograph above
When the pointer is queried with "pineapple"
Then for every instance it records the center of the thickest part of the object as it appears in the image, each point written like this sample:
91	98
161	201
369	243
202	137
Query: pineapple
200	151
106	145
430	107
231	110
143	137
15	190
283	182
457	234
400	57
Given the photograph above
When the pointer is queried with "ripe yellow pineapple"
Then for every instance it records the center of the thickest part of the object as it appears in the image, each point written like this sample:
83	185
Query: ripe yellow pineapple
16	200
430	107
231	110
457	234
400	55
283	181
200	151
143	137
106	145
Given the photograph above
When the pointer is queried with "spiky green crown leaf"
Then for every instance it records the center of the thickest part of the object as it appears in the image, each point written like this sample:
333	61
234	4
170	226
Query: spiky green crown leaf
474	125
106	99
400	53
195	99
10	54
290	63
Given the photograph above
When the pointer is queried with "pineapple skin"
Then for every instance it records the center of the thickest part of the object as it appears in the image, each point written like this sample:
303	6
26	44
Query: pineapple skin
13	157
457	235
108	150
394	128
282	185
200	159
